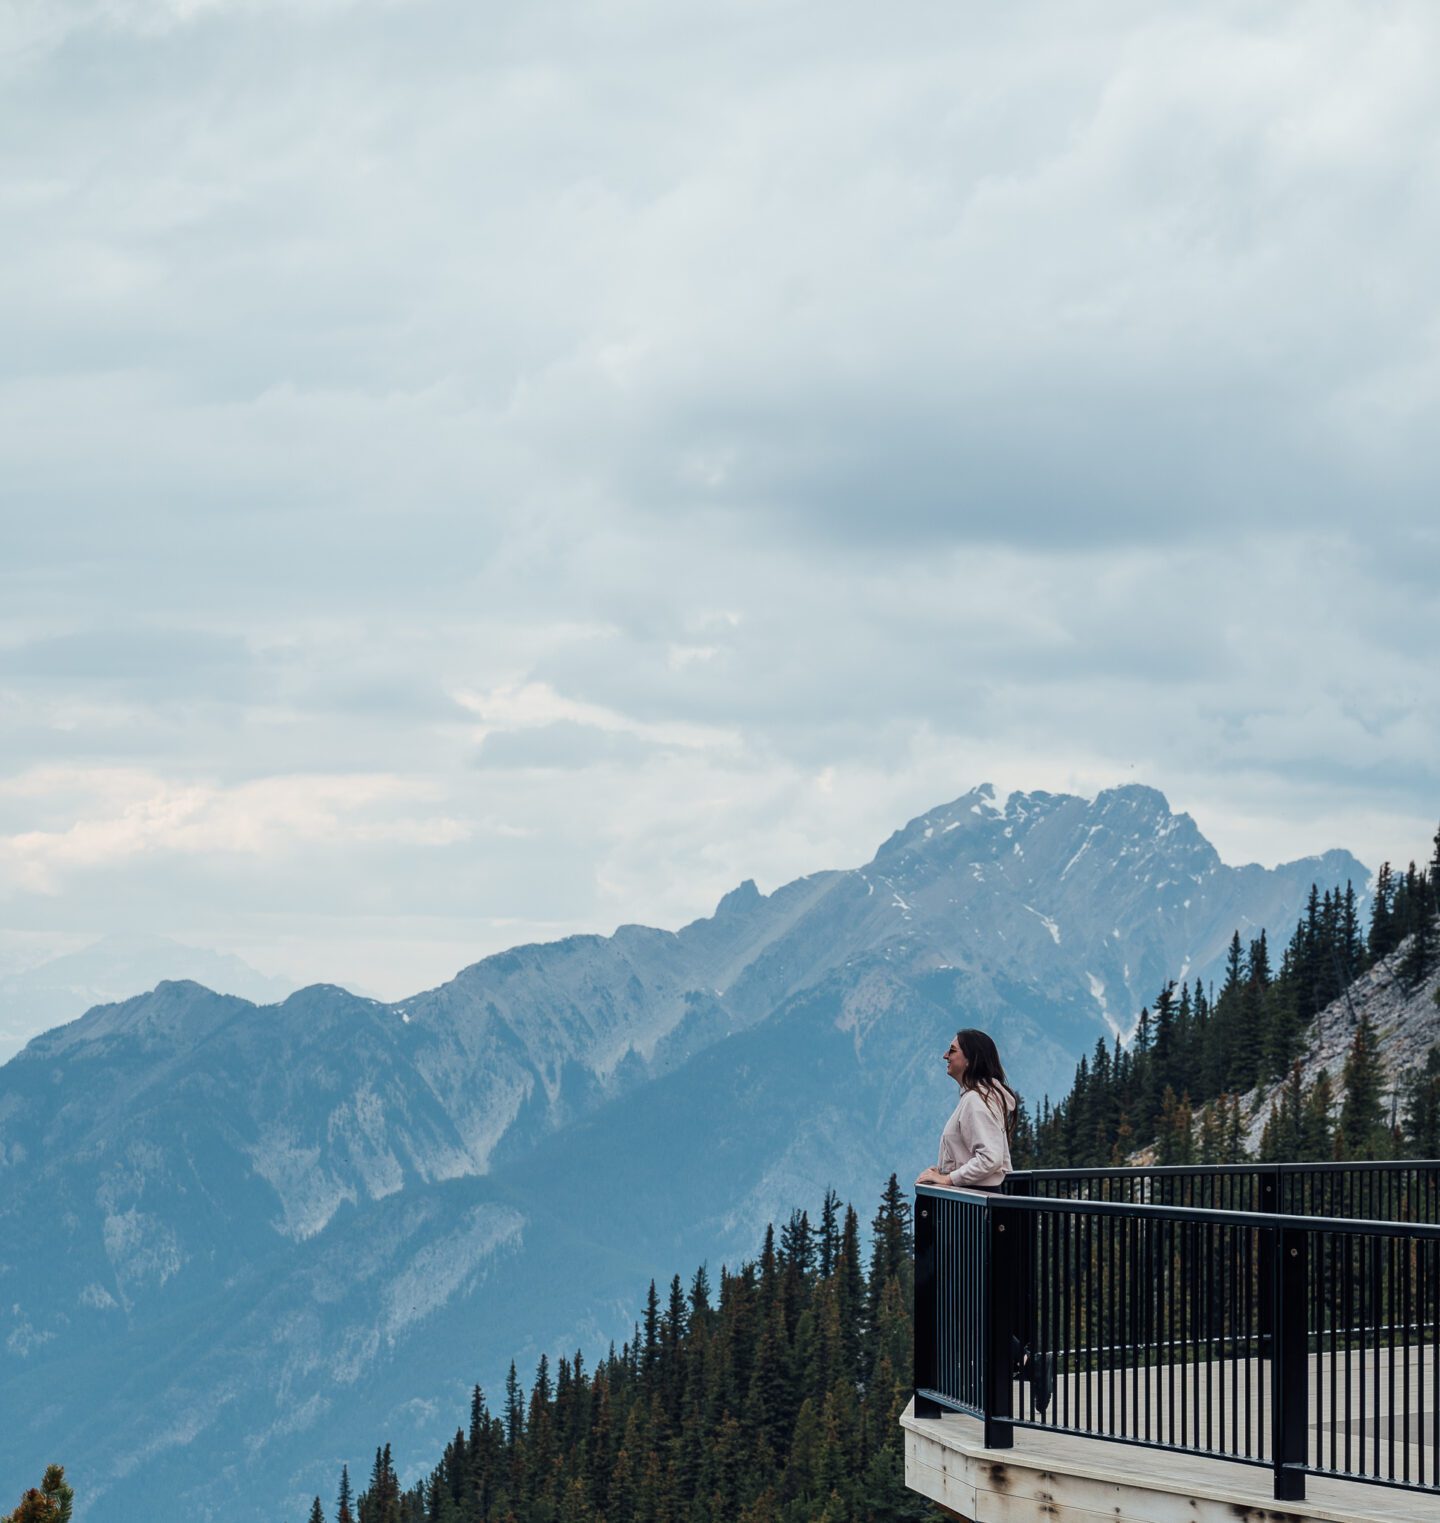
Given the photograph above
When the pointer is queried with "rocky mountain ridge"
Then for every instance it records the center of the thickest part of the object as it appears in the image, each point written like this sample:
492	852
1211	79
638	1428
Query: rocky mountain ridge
39	996
277	1231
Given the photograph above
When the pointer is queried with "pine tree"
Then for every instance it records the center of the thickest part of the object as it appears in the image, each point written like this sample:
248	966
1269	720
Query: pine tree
1234	1144
699	1296
1382	938
1175	1141
892	1242
1352	949
1420	951
514	1411
342	1502
1330	981
1283	1137
481	1453
1422	1108
381	1502
829	1234
317	1513
1212	1132
1164	1054
1419	954
1144	1031
1235	963
1247	1063
539	1427
1318	1137
50	1503
1281	1015
850	1295
1362	1116
797	1244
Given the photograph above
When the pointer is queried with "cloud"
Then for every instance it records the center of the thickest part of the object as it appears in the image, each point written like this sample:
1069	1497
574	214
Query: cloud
159	663
472	475
129	815
563	745
537	708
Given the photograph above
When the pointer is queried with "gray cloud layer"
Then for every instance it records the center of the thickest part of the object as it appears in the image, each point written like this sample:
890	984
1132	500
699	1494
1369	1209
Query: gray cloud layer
471	475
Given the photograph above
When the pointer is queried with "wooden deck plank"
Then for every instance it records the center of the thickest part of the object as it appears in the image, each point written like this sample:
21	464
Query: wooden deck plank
1051	1477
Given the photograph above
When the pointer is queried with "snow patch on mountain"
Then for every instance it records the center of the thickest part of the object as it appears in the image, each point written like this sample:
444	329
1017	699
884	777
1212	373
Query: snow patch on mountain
1047	922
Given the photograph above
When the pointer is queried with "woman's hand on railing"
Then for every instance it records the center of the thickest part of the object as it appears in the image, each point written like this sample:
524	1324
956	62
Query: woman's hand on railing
933	1177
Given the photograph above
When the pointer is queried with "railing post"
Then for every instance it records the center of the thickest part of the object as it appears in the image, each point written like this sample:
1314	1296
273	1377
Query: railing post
1268	1204
1001	1279
1290	1367
926	1371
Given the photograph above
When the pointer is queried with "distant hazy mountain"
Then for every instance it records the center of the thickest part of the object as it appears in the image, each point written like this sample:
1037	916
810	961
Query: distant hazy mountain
34	999
245	1243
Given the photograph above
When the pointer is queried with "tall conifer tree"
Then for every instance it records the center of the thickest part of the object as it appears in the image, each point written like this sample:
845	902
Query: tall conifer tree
343	1502
1362	1116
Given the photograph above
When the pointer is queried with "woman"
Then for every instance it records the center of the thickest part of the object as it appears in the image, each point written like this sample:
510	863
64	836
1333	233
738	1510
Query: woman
975	1145
975	1154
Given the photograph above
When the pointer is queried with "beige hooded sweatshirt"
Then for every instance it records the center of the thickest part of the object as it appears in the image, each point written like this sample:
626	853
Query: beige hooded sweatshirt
974	1149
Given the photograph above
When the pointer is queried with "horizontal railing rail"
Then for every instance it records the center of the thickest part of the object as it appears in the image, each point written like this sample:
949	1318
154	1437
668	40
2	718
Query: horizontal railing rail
1384	1190
1304	1343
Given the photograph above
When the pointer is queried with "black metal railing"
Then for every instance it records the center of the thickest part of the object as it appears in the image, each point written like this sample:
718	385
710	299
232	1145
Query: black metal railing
955	1260
1304	1343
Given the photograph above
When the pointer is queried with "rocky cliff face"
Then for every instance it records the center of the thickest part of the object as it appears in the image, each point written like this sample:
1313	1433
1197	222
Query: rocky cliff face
241	1243
1407	1023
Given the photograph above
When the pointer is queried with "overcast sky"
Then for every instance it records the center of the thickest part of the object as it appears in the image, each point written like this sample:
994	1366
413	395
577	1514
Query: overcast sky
472	473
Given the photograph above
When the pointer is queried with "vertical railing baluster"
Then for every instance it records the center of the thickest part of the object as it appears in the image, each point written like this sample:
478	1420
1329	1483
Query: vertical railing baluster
1376	1286
1111	1335
1003	1238
1290	1365
1390	1297
926	1374
1334	1342
1347	1322
1433	1260
1407	1281
1234	1332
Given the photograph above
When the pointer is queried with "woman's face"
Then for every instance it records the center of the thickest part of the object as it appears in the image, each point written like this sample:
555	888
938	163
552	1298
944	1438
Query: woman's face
955	1063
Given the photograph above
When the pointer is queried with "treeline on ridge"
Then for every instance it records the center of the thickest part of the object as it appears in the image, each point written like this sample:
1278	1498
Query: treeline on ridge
1199	1052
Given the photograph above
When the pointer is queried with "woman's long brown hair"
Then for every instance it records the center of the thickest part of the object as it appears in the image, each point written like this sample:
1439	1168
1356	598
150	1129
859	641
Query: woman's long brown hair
985	1074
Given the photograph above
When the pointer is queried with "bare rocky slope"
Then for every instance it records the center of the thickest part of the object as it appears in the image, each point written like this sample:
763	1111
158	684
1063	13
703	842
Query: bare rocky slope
1407	1025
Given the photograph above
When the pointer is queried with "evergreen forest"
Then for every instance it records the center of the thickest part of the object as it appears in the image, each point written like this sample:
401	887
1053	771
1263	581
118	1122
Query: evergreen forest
773	1397
1176	1087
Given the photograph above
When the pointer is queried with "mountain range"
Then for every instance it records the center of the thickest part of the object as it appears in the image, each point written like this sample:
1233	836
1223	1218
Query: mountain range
241	1242
36	997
